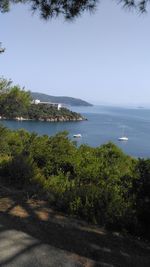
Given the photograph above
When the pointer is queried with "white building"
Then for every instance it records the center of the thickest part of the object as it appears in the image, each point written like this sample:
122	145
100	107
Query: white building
57	105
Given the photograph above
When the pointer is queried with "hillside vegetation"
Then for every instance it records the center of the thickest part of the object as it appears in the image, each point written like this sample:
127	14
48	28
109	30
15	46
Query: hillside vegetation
101	185
16	103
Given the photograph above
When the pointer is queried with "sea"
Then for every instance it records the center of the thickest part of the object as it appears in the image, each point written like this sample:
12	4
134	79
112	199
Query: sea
104	124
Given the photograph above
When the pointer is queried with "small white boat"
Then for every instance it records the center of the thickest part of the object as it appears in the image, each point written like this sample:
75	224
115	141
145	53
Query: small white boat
77	135
123	138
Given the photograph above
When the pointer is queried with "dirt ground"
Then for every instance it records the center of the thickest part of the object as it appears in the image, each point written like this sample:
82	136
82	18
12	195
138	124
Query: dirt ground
65	241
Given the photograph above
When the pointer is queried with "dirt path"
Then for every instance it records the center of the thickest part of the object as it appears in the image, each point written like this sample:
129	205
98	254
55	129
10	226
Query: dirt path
32	234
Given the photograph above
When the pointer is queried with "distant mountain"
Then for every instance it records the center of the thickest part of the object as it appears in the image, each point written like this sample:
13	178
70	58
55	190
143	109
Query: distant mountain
60	99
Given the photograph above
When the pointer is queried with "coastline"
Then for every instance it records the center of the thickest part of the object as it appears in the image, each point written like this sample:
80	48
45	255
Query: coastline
47	119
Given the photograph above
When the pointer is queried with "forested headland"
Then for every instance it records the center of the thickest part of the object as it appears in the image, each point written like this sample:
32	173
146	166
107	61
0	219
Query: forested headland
16	103
101	185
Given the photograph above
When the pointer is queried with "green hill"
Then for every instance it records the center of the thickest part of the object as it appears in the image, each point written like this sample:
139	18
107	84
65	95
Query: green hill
16	104
60	99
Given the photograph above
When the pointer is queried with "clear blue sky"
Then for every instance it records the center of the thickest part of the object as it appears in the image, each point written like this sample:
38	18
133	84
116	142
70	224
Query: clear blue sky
102	58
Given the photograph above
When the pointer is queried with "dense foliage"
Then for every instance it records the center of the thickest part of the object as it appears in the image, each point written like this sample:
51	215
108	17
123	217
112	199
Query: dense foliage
46	112
101	185
68	8
16	102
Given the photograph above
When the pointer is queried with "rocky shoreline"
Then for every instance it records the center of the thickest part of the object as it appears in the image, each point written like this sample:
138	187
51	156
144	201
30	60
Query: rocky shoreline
47	119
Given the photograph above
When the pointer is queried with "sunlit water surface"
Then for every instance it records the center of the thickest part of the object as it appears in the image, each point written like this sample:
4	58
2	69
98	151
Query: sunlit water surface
104	124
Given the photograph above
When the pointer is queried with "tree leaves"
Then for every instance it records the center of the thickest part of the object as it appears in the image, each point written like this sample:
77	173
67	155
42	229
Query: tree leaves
69	9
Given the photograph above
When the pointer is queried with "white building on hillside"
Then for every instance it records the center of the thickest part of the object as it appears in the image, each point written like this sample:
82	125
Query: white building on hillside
57	105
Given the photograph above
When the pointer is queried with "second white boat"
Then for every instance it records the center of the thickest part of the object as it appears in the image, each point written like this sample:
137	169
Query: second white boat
77	135
123	138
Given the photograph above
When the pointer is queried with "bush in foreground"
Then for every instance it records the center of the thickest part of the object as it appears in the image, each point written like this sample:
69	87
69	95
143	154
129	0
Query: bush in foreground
101	185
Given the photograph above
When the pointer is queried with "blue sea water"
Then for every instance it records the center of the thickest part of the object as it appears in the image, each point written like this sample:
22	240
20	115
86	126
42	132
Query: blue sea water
104	124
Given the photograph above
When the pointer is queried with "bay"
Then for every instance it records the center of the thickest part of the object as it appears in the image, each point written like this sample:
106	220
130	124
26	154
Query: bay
104	124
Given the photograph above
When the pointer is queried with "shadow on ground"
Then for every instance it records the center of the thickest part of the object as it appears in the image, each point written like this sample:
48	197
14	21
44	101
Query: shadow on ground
32	234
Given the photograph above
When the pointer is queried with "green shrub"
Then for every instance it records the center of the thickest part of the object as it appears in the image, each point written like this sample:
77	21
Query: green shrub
18	171
101	185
